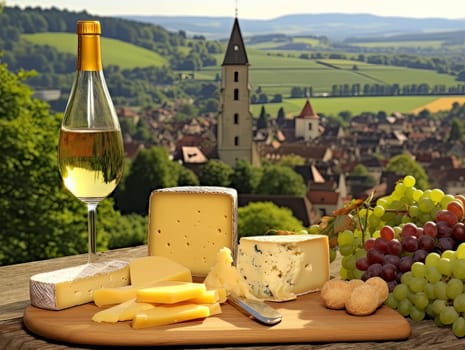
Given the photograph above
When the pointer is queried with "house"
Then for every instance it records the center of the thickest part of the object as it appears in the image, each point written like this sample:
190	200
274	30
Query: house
308	151
324	202
307	123
452	181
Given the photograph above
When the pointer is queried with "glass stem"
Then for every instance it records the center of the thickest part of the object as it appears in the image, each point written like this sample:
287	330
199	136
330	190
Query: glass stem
91	214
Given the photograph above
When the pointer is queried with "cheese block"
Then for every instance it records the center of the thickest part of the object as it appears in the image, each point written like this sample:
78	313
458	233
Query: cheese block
122	312
224	275
149	269
191	224
170	292
278	268
73	286
169	314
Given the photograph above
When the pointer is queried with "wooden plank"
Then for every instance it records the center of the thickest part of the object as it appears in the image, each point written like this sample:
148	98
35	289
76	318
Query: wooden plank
304	320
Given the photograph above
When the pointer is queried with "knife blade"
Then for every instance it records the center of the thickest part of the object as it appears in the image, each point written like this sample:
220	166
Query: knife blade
256	309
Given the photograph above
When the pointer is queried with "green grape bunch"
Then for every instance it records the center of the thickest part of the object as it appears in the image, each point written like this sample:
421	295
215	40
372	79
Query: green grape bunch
434	289
410	238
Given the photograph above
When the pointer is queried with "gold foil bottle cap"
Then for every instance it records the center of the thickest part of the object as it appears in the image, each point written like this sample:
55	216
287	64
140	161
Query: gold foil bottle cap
88	27
89	46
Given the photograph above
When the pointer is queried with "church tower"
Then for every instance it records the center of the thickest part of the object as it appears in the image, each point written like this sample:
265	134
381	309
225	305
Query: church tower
235	134
307	123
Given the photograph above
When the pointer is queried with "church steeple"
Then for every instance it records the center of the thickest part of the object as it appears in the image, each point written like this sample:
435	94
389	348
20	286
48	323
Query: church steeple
235	53
235	122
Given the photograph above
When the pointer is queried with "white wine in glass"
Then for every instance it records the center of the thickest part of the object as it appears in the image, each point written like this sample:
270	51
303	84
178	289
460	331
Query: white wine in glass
90	149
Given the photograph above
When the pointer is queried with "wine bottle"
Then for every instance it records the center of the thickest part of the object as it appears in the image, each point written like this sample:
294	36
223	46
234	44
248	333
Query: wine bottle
90	149
91	146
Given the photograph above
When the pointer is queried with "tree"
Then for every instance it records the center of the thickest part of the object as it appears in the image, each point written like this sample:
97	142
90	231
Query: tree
404	164
291	161
130	231
281	117
39	219
297	92
186	177
277	179
151	169
277	98
262	121
456	130
362	170
245	177
215	173
258	218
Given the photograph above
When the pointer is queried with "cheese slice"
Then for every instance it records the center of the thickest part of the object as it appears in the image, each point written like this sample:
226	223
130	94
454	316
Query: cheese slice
73	286
146	270
224	275
111	296
191	224
170	292
169	314
278	268
208	297
122	312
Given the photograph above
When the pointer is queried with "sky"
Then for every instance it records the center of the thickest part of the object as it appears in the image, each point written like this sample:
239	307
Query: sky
256	9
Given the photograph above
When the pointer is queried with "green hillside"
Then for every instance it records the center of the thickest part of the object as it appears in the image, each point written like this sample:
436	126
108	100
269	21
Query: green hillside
356	105
114	52
278	74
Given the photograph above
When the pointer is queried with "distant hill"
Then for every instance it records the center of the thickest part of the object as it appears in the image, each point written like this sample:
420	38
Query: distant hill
114	52
337	27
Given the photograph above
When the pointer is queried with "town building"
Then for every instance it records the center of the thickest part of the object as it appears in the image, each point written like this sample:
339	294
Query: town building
235	122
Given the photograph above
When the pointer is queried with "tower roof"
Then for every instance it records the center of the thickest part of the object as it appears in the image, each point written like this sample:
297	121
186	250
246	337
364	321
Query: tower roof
308	112
235	53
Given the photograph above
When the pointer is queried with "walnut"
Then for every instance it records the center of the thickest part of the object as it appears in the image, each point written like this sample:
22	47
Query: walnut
356	296
381	286
363	300
334	294
355	283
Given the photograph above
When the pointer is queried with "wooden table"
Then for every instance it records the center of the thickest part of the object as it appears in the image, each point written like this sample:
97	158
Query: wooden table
14	297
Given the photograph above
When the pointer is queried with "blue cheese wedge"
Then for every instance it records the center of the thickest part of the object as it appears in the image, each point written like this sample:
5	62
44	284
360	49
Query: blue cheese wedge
281	267
64	288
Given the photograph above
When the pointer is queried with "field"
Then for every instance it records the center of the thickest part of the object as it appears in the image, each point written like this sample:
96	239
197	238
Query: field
441	104
435	44
356	105
277	74
114	52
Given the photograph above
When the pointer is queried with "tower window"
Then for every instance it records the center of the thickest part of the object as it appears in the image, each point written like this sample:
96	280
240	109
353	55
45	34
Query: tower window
236	94
236	77
236	47
236	140
309	126
236	118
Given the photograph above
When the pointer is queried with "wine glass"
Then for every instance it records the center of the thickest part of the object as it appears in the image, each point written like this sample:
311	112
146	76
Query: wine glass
90	149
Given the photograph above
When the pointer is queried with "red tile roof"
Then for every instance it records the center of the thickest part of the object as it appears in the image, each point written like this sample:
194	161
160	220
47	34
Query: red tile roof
323	197
308	112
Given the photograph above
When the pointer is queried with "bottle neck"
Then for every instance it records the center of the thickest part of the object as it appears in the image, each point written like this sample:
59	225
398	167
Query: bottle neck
89	57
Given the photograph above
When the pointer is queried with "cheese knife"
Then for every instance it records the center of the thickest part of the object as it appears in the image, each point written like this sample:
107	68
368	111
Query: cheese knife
256	309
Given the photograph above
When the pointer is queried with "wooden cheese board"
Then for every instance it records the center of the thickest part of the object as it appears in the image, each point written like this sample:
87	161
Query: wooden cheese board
305	320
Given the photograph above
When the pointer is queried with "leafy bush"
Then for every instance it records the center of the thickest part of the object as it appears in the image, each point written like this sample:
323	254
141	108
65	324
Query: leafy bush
259	218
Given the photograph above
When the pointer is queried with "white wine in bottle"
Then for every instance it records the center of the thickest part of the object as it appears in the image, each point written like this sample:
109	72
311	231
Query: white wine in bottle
90	149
